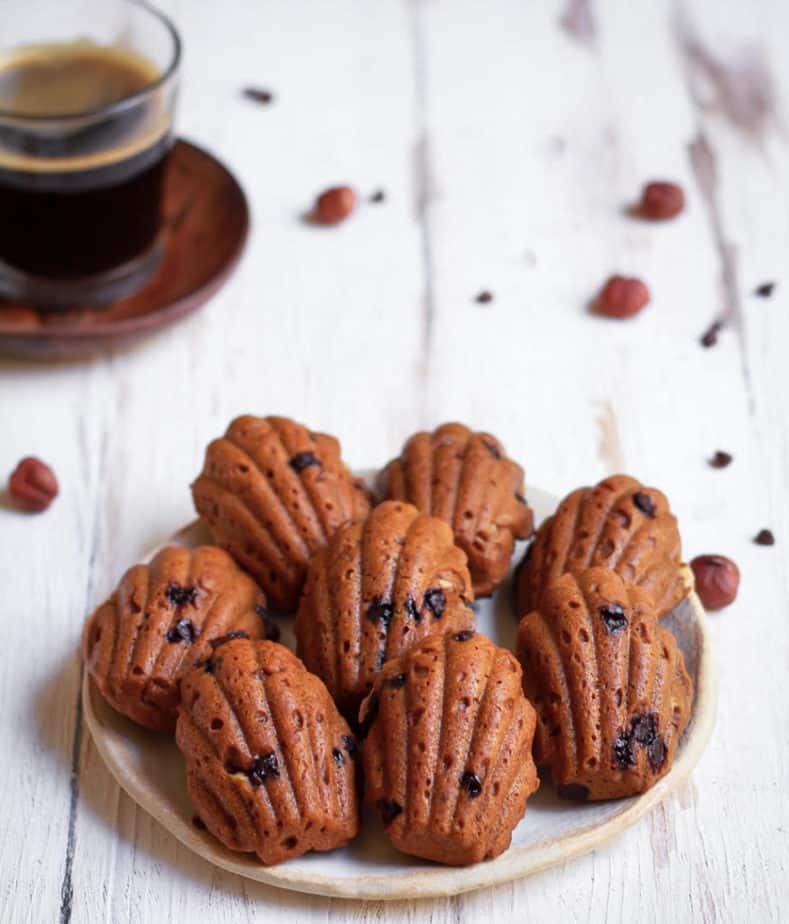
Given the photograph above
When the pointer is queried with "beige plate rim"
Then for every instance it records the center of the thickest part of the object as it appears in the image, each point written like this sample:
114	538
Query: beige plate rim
433	881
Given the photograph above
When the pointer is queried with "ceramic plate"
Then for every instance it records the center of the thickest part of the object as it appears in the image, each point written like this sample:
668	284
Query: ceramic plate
150	768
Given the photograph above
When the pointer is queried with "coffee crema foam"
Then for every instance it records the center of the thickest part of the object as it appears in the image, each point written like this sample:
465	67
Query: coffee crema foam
54	101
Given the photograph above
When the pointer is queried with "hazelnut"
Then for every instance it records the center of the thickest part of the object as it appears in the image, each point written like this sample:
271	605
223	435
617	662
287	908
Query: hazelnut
661	200
334	205
32	485
621	297
717	580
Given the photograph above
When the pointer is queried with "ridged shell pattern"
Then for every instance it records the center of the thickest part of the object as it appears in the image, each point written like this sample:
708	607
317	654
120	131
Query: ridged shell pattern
466	479
273	492
609	685
447	757
161	619
270	762
618	524
377	588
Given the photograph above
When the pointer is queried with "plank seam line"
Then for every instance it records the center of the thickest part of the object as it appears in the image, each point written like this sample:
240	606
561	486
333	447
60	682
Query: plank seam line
423	186
704	163
67	886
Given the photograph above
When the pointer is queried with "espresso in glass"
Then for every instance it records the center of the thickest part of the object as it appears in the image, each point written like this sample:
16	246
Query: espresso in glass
85	133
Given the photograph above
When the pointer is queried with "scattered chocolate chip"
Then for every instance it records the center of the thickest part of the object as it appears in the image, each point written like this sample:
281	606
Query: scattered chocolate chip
493	449
411	609
380	611
614	618
624	756
388	811
396	682
370	716
182	631
656	753
645	504
208	665
262	768
472	783
464	636
339	757
198	822
378	196
576	791
179	596
765	290
350	745
269	626
303	460
484	298
257	95
216	642
710	337
644	728
764	537
721	459
520	498
436	601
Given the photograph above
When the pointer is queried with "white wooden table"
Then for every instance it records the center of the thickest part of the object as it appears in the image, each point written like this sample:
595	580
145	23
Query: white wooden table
508	144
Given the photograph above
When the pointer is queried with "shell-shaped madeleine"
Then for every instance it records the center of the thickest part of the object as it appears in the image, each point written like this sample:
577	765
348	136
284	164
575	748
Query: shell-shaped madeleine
161	619
609	685
618	524
447	754
377	588
273	492
269	760
466	479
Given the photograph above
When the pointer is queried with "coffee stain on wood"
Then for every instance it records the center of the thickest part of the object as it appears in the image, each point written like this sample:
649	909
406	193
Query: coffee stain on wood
737	83
579	22
609	446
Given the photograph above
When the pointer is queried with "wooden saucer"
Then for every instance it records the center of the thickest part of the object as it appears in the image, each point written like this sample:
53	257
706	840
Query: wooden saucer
206	224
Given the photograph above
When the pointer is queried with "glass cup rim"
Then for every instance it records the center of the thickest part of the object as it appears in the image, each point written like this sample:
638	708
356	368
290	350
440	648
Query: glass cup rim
128	101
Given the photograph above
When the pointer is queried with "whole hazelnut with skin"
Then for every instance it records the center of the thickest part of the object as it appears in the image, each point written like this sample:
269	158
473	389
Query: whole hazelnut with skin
661	200
621	297
334	205
717	580
32	485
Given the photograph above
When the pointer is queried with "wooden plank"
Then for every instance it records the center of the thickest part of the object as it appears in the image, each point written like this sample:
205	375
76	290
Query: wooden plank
307	327
618	112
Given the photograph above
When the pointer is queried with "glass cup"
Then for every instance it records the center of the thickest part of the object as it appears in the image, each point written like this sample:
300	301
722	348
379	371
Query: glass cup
87	98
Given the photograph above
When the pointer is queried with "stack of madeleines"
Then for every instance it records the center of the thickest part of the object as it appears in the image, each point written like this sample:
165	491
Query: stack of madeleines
391	693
